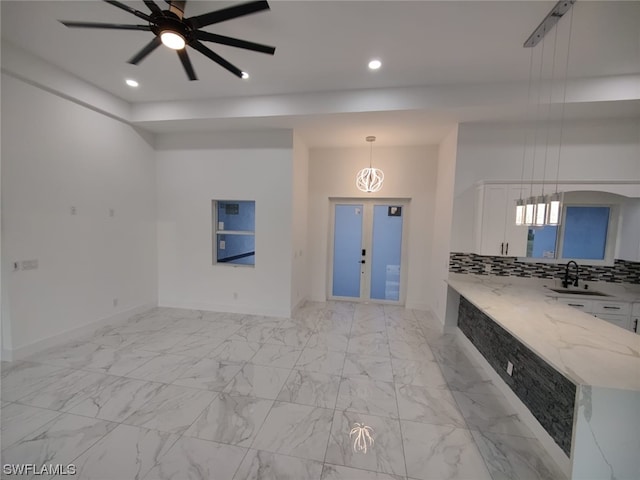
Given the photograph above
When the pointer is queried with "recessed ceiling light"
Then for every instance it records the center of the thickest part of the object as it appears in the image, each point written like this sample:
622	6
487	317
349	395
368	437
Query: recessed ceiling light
375	64
131	82
245	75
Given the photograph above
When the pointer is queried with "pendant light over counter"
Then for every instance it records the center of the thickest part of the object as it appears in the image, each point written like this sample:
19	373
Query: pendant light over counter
544	209
369	180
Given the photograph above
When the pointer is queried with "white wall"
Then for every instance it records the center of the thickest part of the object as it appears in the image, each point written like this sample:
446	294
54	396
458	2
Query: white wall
58	154
191	172
442	220
300	199
410	172
600	150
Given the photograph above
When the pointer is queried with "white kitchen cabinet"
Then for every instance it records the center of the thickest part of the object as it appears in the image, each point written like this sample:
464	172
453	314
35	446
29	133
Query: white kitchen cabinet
617	313
611	307
584	305
495	230
619	320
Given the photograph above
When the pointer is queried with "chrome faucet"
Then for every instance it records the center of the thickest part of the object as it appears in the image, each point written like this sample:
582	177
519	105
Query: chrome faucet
567	278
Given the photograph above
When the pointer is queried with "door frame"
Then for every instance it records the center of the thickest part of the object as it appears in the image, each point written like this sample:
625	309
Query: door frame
367	237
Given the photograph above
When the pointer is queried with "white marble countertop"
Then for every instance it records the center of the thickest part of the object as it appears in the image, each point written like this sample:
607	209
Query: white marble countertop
586	350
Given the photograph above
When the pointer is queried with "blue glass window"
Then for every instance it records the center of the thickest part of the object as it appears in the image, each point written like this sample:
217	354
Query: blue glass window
234	232
585	232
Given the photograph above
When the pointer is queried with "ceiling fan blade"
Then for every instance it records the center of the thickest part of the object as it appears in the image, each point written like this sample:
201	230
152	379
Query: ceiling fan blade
114	26
186	63
148	48
228	13
152	6
216	58
234	42
127	8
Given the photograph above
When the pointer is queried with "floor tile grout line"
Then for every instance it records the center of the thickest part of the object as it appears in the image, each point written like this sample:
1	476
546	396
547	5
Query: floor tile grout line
395	393
333	416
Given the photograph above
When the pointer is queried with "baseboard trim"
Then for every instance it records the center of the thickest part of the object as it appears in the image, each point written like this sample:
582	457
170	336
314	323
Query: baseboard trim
221	307
527	417
74	333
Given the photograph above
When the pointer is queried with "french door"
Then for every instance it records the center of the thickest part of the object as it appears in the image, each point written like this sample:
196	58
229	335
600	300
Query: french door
367	261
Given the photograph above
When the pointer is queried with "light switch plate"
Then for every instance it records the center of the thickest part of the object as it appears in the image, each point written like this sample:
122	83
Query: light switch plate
223	244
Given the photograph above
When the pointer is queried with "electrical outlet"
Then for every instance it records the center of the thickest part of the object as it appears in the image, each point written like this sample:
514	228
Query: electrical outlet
223	244
509	368
29	264
487	268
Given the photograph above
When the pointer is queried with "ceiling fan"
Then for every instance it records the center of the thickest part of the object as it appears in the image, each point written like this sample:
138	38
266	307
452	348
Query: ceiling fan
172	29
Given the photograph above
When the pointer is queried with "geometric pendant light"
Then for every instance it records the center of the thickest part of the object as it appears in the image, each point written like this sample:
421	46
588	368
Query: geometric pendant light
369	180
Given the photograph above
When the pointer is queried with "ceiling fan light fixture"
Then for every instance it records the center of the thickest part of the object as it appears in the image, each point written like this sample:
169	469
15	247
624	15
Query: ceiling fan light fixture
172	39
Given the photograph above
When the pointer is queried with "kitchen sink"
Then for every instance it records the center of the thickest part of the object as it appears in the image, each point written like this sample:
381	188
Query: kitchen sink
589	293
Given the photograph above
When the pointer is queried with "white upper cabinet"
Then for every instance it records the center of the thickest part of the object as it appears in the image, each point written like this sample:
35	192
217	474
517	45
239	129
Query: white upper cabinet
496	233
630	231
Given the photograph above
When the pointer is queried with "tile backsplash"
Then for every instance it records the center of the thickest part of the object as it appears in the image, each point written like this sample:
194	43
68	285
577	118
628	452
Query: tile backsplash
622	271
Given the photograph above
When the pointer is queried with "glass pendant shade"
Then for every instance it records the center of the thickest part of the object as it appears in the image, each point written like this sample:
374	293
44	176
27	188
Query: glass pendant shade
540	216
529	211
520	212
369	180
554	209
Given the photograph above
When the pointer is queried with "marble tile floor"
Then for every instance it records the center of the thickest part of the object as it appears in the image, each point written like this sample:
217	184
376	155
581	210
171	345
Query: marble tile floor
182	394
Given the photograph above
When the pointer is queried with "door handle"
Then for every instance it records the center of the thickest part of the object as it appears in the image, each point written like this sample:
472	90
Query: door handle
506	252
635	325
502	248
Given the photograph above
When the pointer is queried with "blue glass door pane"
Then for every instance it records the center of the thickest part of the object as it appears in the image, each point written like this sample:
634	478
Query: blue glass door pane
386	254
347	250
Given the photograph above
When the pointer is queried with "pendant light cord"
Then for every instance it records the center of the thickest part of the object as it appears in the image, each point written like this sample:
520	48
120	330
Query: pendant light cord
537	118
564	98
370	153
526	131
548	119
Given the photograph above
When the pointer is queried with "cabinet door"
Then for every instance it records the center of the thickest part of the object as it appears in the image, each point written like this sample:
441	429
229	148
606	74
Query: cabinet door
515	236
584	305
619	320
612	308
494	208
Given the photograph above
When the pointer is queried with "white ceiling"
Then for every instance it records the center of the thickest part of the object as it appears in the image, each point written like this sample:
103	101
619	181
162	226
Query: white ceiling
324	46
